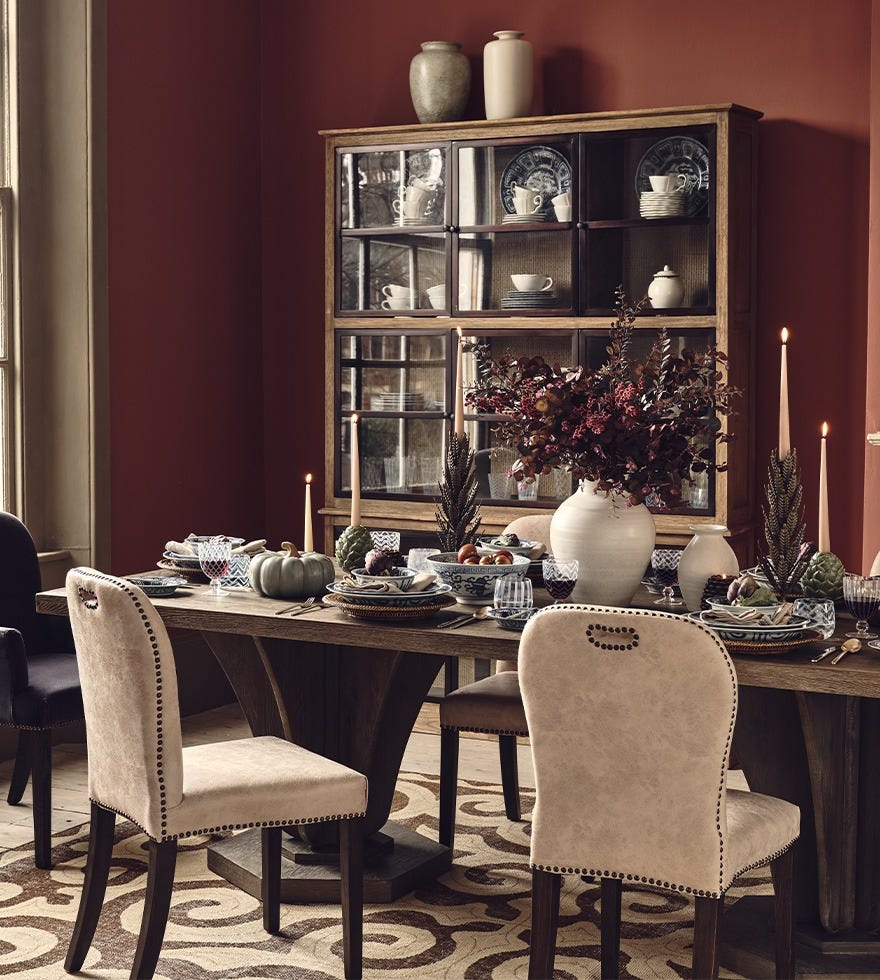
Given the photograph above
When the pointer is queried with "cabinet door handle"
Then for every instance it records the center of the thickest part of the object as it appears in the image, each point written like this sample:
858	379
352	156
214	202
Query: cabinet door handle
451	228
581	225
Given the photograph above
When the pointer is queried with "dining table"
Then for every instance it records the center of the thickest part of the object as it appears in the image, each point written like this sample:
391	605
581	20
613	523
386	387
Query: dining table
352	689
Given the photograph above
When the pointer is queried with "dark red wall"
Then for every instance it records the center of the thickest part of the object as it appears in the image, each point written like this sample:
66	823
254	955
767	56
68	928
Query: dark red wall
216	219
184	268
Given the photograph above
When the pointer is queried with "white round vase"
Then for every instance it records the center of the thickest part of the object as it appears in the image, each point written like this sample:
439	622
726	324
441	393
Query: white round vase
707	553
508	76
611	540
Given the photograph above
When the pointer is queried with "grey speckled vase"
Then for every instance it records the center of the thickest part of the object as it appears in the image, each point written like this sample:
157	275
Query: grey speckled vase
440	82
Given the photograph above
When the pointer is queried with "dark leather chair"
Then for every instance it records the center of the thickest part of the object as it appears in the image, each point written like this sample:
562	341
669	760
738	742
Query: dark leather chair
39	683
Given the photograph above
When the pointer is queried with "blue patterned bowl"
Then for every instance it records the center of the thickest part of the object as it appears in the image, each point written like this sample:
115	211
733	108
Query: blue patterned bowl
473	583
401	577
512	619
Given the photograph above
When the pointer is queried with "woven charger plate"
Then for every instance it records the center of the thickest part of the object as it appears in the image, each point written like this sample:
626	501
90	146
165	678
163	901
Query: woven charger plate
193	574
388	613
773	648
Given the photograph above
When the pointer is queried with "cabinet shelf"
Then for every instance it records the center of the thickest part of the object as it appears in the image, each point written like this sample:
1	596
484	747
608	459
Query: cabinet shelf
516	228
648	222
395	231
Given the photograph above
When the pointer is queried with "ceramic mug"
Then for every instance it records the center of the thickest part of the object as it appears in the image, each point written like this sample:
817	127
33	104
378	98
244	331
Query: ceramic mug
396	303
396	291
532	283
562	200
526	201
563	212
667	183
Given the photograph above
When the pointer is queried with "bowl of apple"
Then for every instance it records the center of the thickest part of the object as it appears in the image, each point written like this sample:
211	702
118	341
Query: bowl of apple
472	575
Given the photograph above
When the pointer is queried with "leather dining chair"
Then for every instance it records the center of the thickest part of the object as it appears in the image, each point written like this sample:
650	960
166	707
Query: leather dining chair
631	715
492	705
39	682
139	770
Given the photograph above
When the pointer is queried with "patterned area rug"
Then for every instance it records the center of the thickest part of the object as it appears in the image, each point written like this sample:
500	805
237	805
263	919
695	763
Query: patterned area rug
472	924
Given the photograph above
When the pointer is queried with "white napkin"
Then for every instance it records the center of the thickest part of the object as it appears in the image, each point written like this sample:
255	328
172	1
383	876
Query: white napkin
742	614
180	548
537	551
251	548
419	583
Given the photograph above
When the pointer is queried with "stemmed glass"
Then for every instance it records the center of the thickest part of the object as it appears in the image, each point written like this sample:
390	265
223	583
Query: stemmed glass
664	562
560	577
862	596
214	558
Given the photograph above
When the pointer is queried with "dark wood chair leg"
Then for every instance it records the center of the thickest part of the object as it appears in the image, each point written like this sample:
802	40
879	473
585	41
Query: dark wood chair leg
707	913
782	870
160	878
545	919
351	861
22	771
448	784
270	883
94	886
41	785
509	775
610	917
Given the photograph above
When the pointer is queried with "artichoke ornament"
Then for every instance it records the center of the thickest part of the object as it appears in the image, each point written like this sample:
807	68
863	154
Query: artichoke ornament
823	578
352	547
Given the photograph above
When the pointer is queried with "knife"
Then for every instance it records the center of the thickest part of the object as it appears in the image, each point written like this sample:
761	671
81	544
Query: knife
825	653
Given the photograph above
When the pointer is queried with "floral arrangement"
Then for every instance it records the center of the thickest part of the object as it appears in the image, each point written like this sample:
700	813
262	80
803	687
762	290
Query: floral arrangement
639	430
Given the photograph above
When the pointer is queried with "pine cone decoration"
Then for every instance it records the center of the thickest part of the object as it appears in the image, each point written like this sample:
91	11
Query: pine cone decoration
457	512
787	554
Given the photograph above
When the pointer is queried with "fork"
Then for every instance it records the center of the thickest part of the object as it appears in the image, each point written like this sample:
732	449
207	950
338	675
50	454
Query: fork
307	606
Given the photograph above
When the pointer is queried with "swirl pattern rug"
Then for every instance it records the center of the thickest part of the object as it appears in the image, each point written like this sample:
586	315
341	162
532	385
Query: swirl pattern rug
472	924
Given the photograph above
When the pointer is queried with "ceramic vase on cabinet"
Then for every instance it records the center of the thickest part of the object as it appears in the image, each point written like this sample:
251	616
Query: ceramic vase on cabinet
611	540
707	553
439	82
508	76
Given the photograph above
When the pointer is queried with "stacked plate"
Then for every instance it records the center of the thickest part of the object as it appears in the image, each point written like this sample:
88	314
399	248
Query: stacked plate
404	401
794	629
661	204
406	222
530	299
489	543
389	606
523	219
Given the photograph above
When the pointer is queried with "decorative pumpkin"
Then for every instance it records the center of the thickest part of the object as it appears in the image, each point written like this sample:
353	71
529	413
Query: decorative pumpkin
287	574
352	547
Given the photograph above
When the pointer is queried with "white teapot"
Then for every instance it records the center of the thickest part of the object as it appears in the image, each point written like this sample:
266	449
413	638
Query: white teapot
666	290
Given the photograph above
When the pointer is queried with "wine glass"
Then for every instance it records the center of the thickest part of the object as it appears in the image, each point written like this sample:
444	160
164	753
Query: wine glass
560	577
664	562
214	558
862	596
513	593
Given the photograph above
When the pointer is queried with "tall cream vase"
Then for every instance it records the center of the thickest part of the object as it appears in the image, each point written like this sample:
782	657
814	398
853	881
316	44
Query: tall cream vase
611	540
707	553
508	76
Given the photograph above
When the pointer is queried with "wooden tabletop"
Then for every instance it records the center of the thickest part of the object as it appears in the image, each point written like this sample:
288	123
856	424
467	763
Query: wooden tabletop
248	614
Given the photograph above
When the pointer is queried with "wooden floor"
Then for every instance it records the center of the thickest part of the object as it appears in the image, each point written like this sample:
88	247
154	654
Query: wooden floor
70	800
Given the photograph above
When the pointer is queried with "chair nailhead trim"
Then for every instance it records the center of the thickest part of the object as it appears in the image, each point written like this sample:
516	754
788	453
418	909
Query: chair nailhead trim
593	632
524	733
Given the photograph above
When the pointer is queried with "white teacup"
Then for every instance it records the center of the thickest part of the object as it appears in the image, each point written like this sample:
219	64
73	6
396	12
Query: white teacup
666	183
437	296
563	212
528	282
397	303
526	201
396	291
562	200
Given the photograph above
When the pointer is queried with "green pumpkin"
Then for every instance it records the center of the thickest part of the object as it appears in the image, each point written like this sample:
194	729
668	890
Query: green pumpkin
288	574
352	547
823	578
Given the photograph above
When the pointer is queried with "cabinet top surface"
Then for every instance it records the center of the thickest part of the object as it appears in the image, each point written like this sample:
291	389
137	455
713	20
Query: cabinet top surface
475	127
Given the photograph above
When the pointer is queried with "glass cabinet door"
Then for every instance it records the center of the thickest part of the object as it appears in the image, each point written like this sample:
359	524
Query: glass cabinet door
393	274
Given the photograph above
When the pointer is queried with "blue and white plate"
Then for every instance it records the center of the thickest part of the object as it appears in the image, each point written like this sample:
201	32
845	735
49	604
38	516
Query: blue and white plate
157	586
754	633
393	600
541	169
511	619
182	561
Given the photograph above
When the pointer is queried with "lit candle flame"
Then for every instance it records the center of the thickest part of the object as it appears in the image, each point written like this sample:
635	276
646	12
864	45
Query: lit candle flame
824	429
308	477
785	335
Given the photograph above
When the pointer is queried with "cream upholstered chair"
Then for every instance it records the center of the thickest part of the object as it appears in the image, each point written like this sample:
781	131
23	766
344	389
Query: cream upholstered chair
631	715
139	769
491	705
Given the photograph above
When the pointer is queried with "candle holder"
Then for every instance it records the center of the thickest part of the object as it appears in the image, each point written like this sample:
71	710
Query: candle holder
787	555
458	513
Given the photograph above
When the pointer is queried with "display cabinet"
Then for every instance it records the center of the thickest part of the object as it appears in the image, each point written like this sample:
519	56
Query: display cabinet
519	232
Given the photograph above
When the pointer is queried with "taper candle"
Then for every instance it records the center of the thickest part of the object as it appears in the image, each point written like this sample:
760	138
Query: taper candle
824	531
308	540
459	391
355	474
784	434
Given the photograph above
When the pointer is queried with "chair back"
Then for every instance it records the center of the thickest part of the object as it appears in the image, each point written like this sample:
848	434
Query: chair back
19	581
532	527
630	716
129	688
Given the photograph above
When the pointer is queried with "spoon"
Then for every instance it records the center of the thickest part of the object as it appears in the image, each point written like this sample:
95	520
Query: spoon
477	615
848	646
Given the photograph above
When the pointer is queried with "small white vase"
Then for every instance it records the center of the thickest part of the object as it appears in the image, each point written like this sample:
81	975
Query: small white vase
508	76
611	540
707	553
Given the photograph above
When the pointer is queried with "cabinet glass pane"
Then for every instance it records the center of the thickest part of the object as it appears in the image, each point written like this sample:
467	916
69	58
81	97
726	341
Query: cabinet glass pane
387	373
540	261
383	188
633	255
488	178
391	273
398	455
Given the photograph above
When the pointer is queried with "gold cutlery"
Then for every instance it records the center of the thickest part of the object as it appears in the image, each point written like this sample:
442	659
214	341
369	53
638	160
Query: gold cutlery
848	646
476	616
297	605
823	654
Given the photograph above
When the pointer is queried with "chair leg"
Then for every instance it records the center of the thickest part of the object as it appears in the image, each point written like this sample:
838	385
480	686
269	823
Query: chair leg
41	785
782	870
270	887
705	962
509	775
448	784
545	919
22	771
160	878
351	863
94	886
610	917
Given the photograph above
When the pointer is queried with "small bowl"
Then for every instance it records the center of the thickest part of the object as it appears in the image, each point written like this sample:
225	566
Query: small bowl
401	577
512	619
729	607
157	586
473	583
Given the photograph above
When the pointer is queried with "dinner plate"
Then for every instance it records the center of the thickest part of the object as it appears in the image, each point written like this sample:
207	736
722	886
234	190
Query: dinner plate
181	561
753	633
678	155
541	169
388	614
390	600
